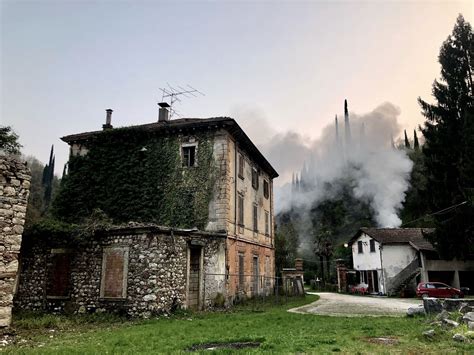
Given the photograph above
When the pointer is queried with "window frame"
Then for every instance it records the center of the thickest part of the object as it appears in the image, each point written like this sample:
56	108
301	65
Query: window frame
360	247
241	261
267	223
126	252
372	245
185	163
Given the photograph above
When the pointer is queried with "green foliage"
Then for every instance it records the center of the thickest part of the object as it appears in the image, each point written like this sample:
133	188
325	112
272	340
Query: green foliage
128	182
286	243
9	140
449	147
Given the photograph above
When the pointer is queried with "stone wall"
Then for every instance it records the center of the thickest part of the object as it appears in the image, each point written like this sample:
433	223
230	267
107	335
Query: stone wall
14	190
156	275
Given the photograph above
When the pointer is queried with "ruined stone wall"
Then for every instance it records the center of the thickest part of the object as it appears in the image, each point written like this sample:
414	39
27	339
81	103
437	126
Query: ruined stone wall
156	275
14	190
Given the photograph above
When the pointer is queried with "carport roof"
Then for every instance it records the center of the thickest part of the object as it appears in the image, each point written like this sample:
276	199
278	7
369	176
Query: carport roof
416	237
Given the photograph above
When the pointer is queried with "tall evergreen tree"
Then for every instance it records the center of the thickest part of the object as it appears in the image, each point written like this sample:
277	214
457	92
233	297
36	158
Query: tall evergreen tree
416	144
407	142
48	177
449	147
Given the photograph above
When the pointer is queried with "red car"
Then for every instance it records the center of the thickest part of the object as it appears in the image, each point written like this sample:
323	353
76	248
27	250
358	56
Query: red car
437	289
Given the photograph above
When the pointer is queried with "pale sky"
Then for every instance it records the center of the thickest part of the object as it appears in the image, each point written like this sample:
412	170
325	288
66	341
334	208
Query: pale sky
64	62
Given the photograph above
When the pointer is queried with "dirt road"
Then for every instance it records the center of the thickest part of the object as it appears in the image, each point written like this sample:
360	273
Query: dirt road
335	304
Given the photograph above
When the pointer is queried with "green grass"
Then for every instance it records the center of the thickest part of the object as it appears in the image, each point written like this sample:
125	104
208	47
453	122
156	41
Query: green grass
278	330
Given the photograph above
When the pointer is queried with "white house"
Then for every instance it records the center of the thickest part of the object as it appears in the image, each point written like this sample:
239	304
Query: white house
390	259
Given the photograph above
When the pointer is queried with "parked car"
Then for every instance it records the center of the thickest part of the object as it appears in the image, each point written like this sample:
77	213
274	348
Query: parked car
437	289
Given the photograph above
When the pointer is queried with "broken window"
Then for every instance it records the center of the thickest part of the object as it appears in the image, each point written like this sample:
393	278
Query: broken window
59	274
372	246
241	166
189	155
114	272
267	223
266	189
360	247
255	178
255	218
241	271
240	207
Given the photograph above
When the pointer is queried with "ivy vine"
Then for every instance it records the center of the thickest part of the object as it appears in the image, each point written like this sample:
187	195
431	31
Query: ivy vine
137	175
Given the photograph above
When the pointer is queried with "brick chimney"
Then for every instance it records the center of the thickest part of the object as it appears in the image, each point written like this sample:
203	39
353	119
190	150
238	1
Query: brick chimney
108	119
163	115
299	264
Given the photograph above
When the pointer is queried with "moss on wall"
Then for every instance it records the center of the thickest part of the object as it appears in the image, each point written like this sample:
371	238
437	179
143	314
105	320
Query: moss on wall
129	183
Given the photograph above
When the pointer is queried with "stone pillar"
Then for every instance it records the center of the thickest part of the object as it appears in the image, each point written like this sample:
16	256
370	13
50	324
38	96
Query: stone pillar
341	271
14	190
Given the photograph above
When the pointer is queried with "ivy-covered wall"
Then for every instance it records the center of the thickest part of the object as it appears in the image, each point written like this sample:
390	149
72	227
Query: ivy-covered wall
128	182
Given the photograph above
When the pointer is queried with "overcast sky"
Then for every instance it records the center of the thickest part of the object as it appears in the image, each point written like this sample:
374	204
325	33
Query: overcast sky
292	63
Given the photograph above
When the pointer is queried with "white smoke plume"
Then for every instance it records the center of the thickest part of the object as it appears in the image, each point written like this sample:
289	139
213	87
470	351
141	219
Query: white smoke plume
379	174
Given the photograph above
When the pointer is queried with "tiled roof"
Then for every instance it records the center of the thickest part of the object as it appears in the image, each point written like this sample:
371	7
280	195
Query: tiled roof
190	124
413	236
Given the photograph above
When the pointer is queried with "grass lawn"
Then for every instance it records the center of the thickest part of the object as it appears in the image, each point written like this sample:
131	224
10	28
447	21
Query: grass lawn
273	326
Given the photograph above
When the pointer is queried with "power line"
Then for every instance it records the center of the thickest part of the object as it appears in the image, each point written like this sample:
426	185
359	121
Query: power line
444	210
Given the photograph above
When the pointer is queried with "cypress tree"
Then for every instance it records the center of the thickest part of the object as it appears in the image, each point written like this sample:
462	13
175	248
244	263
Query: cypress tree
416	145
407	142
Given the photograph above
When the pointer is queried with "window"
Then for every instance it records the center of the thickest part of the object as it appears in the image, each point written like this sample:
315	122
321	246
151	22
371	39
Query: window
241	271
359	247
189	155
266	189
241	166
114	272
267	223
240	207
255	218
372	246
59	274
255	178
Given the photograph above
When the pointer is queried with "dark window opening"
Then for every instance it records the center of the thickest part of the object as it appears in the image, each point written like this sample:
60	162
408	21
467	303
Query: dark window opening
189	156
255	178
255	219
241	271
59	275
114	272
359	247
372	246
240	207
241	166
266	189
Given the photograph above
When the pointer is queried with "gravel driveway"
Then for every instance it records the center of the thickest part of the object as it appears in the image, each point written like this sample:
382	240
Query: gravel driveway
335	304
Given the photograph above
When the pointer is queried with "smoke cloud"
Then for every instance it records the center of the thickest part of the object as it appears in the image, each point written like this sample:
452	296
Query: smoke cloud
361	155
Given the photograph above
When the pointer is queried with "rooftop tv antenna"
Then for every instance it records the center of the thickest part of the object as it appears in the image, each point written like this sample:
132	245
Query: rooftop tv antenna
175	94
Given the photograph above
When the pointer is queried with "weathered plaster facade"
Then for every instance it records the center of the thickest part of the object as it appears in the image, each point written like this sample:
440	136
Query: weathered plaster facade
156	271
14	191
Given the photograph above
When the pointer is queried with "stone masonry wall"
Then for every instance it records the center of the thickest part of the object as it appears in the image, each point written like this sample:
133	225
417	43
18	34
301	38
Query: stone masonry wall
14	190
156	277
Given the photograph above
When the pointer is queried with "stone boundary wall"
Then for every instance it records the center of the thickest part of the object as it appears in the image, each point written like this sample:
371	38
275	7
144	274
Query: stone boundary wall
14	190
156	277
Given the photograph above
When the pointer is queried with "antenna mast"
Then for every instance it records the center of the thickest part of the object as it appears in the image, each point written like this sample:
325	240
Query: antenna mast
173	95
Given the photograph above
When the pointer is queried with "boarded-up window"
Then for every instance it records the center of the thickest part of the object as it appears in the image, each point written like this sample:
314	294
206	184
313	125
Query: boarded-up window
240	207
241	166
255	218
114	272
255	178
266	189
59	274
267	223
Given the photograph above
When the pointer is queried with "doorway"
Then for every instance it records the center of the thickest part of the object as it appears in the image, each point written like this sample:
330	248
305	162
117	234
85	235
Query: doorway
194	283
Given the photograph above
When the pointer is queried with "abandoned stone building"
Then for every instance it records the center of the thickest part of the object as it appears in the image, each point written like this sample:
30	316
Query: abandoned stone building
191	202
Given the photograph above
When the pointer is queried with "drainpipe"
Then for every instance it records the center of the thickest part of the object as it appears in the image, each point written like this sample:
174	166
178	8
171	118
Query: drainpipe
383	274
235	189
